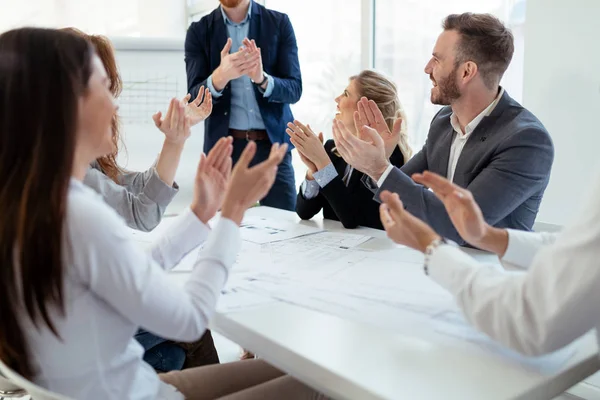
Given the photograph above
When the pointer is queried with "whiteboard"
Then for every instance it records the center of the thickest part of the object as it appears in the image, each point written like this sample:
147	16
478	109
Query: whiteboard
153	71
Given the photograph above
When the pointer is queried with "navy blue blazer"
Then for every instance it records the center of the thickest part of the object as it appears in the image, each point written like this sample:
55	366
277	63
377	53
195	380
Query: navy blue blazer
275	37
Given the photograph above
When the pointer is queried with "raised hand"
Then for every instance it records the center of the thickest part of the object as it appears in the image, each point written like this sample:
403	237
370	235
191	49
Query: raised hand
211	180
175	125
308	144
370	115
234	65
403	227
465	214
249	185
199	109
257	73
368	155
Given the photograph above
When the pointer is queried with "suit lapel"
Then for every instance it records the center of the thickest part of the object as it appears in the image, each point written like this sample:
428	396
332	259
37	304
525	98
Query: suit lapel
355	178
255	22
219	31
486	128
441	157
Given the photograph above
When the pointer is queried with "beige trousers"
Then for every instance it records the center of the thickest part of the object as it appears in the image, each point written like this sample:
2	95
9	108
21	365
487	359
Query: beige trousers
248	380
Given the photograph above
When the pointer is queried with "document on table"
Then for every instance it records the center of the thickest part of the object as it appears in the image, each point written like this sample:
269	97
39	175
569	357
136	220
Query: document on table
391	294
268	230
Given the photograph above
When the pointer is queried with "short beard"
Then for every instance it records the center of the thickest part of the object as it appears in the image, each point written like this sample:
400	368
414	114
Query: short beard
447	89
230	3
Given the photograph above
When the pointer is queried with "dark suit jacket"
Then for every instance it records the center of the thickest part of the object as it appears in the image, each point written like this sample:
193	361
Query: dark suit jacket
352	205
505	163
274	35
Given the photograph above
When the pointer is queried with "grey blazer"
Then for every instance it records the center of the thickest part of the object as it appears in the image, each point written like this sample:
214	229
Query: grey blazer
505	163
141	199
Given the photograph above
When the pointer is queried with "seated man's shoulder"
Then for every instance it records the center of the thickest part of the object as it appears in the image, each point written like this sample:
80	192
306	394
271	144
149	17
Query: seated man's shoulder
518	122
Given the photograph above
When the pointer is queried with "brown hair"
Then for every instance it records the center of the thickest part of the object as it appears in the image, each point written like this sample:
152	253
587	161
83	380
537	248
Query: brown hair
384	93
104	49
484	40
50	69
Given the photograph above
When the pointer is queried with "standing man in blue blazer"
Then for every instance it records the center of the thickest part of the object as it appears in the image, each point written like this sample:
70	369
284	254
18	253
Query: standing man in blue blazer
247	56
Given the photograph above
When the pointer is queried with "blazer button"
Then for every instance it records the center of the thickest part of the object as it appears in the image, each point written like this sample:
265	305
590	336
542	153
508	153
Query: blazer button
225	113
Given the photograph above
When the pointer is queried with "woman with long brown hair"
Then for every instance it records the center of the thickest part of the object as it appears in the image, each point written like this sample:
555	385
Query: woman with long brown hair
141	198
74	286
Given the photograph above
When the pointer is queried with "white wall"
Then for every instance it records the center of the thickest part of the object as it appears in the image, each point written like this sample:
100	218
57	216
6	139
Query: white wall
562	87
153	71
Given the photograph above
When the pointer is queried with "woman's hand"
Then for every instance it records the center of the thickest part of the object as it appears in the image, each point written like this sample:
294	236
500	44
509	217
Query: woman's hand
249	185
308	144
211	180
465	214
199	109
175	125
403	227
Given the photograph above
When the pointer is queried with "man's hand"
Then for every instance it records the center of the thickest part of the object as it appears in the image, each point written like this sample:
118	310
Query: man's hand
368	155
256	74
403	227
234	65
370	115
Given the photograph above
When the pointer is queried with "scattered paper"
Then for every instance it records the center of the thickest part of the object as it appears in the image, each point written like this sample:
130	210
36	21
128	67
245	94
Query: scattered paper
268	230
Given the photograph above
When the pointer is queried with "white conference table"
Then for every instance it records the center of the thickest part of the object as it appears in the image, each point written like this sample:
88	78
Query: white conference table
349	360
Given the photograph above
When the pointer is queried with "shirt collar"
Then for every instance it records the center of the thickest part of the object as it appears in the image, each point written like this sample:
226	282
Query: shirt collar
229	22
473	124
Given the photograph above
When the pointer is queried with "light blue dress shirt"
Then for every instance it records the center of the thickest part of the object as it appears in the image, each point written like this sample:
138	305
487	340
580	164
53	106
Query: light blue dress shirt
245	113
311	188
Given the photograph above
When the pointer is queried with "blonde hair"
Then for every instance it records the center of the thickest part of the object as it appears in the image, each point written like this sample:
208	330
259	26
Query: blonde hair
375	86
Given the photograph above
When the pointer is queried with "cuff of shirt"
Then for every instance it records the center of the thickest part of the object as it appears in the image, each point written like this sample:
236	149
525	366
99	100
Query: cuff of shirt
158	191
270	85
521	248
448	266
189	228
223	243
185	233
383	177
310	189
325	175
211	87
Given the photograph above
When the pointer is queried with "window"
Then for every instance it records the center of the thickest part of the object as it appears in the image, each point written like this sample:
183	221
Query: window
329	53
405	33
140	18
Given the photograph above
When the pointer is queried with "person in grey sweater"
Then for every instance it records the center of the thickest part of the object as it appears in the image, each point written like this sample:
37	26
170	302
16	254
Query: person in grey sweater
141	198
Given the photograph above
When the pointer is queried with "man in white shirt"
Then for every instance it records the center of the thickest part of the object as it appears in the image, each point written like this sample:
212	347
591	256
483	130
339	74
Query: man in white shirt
483	140
537	312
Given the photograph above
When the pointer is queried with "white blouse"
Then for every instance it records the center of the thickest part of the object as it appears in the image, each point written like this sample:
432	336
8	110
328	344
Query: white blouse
112	287
552	304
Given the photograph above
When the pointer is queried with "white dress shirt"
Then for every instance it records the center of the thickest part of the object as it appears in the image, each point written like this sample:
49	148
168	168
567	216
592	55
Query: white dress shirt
112	287
460	139
541	310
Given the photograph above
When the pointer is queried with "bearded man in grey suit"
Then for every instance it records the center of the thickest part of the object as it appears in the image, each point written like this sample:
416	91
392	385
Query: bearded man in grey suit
483	140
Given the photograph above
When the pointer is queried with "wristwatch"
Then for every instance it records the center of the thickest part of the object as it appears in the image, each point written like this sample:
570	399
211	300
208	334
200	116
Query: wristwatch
432	247
265	78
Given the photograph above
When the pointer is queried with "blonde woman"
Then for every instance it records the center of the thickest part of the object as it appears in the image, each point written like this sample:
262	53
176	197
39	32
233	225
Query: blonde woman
331	184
